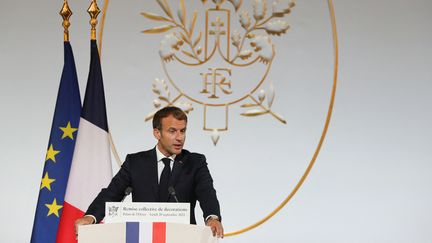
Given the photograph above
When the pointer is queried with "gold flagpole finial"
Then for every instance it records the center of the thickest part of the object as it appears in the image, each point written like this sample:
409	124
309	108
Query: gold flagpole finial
65	12
94	11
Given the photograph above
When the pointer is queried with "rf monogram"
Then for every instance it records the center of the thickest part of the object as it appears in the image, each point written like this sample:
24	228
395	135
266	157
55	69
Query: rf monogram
215	78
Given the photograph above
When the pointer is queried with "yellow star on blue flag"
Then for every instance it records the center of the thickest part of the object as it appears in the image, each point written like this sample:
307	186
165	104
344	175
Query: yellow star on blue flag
68	131
53	208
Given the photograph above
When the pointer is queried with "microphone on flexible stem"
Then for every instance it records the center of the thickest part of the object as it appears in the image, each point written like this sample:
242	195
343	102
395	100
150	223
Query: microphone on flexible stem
127	191
172	193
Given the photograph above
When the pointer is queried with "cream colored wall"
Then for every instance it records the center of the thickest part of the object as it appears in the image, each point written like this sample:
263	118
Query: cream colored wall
371	182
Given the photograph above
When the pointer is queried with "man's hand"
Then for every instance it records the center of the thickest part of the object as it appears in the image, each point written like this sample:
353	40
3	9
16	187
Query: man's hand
83	221
216	227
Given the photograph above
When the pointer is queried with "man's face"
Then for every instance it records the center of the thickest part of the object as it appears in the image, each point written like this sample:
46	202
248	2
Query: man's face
172	135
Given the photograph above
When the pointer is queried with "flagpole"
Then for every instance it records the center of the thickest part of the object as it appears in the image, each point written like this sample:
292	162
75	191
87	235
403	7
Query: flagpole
66	13
93	11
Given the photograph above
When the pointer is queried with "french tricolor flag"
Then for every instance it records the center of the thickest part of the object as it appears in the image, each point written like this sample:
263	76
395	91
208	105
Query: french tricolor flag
91	163
145	232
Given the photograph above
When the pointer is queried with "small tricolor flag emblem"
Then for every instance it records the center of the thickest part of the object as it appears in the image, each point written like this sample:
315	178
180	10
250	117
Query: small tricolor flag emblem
141	232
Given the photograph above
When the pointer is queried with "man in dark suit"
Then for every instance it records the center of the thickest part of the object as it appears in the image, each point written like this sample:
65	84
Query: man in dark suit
151	173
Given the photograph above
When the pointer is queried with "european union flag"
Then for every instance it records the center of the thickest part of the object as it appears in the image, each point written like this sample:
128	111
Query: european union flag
59	153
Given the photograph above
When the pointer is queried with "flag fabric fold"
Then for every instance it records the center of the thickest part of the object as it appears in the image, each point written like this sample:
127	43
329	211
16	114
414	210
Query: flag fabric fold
91	164
59	154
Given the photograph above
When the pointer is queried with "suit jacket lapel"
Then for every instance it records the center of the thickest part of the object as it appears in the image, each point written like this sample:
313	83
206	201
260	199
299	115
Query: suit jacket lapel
153	173
177	168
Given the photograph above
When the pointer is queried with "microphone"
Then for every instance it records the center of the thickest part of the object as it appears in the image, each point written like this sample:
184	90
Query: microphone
127	191
172	193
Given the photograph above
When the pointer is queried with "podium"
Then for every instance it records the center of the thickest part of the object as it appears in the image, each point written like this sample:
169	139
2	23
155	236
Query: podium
144	232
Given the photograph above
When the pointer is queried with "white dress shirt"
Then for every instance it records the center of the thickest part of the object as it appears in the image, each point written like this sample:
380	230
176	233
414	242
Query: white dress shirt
160	164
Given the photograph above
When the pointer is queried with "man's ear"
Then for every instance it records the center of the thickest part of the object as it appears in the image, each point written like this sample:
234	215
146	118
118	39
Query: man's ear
156	133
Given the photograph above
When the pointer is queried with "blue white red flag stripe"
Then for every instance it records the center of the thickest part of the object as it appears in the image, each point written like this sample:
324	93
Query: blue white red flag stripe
159	232
146	232
132	232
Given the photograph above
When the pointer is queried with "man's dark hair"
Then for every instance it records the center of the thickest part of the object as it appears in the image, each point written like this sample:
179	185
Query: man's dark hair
176	112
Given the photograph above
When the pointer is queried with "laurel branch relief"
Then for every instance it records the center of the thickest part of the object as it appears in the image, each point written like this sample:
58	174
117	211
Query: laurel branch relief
251	43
